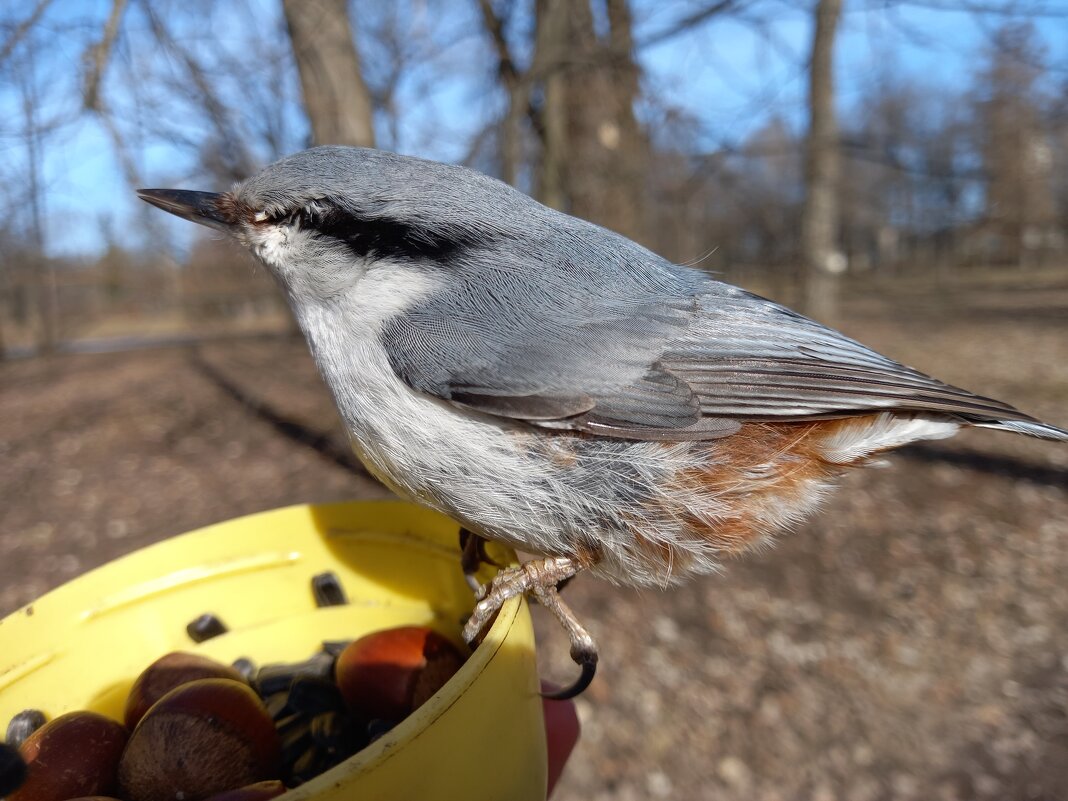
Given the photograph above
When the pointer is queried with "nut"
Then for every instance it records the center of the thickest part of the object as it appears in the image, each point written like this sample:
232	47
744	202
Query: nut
389	673
76	754
201	739
168	672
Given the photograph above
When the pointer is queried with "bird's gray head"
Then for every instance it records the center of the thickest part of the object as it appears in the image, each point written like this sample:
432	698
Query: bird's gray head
322	218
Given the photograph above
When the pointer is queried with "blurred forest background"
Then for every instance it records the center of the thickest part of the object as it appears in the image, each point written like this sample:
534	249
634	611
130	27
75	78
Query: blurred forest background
953	170
898	168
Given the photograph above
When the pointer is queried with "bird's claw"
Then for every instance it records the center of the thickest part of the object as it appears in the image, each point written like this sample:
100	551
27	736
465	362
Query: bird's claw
539	579
583	647
472	556
589	670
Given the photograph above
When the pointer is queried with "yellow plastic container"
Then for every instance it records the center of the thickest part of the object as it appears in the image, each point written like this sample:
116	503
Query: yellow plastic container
480	737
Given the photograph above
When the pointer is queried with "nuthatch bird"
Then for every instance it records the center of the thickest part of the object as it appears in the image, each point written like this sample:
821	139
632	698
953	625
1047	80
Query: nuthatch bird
554	386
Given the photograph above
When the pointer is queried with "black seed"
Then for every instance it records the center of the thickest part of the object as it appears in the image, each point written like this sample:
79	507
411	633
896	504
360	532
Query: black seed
326	587
308	765
312	695
12	770
23	725
296	737
293	722
335	647
245	666
276	678
334	733
278	705
205	627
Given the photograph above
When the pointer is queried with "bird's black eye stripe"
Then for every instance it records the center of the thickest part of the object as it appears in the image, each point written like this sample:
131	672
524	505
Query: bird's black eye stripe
386	236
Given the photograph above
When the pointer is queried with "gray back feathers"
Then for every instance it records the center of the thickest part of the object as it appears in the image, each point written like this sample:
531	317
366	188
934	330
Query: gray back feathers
543	317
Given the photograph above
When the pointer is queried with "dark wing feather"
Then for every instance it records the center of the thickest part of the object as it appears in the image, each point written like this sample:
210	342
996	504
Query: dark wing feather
523	407
752	359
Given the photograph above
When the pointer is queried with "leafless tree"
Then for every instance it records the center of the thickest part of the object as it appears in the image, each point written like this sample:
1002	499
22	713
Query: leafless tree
577	94
1016	149
821	260
335	95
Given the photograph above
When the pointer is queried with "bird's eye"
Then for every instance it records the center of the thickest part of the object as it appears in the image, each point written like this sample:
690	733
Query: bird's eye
263	216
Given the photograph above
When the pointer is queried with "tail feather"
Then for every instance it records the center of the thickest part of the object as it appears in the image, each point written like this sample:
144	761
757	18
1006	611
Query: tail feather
1031	429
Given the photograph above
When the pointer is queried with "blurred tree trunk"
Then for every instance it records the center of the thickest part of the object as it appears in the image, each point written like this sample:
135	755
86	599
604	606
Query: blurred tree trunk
42	270
595	155
609	151
336	98
550	50
517	86
1017	154
627	188
821	260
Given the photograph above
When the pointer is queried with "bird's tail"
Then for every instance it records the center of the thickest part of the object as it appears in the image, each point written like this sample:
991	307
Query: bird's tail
1030	428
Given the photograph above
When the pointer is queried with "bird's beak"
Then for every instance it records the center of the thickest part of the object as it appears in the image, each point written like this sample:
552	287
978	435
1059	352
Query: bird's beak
199	207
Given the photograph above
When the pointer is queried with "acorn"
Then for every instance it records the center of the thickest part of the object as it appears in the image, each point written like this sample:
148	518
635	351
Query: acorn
202	738
389	673
75	755
260	791
168	672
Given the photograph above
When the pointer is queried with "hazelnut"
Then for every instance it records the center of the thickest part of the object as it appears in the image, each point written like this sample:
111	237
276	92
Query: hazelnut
76	754
389	673
165	674
201	739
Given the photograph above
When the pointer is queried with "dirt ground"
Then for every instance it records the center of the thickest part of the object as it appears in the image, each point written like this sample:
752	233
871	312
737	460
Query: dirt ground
909	643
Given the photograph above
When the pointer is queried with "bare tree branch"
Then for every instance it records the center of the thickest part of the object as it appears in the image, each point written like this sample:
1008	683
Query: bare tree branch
97	57
240	163
1009	9
517	85
23	28
688	22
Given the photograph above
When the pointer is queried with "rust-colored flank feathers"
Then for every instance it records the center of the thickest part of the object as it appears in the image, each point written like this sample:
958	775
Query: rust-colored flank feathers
765	477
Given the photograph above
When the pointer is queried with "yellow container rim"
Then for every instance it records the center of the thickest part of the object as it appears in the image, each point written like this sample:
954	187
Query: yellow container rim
399	564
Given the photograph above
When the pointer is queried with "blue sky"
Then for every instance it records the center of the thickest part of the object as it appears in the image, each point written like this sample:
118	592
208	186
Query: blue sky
726	75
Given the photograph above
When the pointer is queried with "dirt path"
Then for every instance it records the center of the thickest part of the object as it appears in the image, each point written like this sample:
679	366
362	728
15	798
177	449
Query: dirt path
102	454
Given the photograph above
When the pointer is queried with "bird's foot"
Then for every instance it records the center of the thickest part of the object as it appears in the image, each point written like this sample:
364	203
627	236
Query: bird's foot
583	647
540	579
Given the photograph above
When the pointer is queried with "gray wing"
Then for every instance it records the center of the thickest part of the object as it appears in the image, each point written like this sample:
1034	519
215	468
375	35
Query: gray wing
561	349
647	351
749	358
